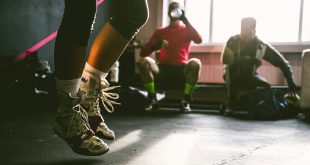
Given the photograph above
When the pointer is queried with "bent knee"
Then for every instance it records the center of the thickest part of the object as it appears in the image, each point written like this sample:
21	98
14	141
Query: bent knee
194	63
128	21
144	63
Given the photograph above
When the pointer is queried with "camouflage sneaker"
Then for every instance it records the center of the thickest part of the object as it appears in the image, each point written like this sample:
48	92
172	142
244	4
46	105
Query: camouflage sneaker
98	91
71	125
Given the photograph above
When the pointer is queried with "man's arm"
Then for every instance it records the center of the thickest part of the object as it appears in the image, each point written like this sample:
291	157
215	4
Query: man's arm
276	58
227	56
194	35
155	43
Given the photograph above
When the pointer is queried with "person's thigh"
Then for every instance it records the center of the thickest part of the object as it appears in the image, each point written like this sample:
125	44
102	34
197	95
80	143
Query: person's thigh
192	67
149	64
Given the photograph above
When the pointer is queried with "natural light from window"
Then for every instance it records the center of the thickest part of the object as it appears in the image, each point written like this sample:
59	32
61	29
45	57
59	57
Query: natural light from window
306	21
278	21
199	15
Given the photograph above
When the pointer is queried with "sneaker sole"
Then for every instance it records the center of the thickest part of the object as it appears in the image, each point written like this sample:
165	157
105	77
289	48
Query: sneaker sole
80	151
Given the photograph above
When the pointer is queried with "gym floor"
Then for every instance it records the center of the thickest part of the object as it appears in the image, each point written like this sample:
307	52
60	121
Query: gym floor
164	137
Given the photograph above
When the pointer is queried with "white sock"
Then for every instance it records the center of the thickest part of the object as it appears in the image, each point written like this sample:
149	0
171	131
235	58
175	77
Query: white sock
68	86
94	72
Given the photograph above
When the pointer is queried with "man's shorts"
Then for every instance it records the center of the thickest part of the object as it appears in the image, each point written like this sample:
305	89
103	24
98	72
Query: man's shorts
170	76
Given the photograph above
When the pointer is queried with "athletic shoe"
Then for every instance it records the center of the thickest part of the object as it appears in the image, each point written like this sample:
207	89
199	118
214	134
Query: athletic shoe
152	104
185	107
71	124
98	91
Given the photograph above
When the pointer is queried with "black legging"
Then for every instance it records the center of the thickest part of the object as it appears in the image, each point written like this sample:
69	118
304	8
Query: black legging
79	15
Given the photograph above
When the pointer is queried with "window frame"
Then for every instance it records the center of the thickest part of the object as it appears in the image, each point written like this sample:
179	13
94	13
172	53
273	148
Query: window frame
217	47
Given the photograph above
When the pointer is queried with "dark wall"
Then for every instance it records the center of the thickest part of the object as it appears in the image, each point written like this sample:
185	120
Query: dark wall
26	22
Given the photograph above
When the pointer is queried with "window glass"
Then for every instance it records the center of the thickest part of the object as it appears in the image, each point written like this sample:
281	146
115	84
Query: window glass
306	21
277	20
198	13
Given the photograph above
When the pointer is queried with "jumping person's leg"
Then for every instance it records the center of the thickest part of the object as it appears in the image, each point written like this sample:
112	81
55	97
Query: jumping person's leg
71	120
107	47
148	70
191	74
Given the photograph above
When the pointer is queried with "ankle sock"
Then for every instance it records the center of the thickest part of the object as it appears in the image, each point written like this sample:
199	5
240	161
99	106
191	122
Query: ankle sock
69	86
94	72
188	90
150	87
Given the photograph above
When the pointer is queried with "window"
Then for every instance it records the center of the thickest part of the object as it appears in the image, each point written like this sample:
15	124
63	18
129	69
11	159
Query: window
275	23
198	14
306	21
277	20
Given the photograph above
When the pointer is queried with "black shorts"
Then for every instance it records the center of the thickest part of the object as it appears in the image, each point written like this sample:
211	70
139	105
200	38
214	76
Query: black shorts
170	76
127	17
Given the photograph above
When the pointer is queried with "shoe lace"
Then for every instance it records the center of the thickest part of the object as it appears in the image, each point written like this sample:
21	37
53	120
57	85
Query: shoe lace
107	97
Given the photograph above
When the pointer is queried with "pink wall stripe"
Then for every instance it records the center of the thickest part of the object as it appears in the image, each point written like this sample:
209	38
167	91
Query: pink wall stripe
99	2
36	47
42	42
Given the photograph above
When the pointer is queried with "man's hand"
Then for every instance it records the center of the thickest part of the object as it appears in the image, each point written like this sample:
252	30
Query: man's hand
164	44
292	91
292	98
183	18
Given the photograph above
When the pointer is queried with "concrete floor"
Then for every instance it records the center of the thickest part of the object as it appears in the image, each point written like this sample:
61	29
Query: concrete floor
164	138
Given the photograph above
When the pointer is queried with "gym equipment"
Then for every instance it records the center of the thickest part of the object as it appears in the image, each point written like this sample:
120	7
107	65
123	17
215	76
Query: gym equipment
305	84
